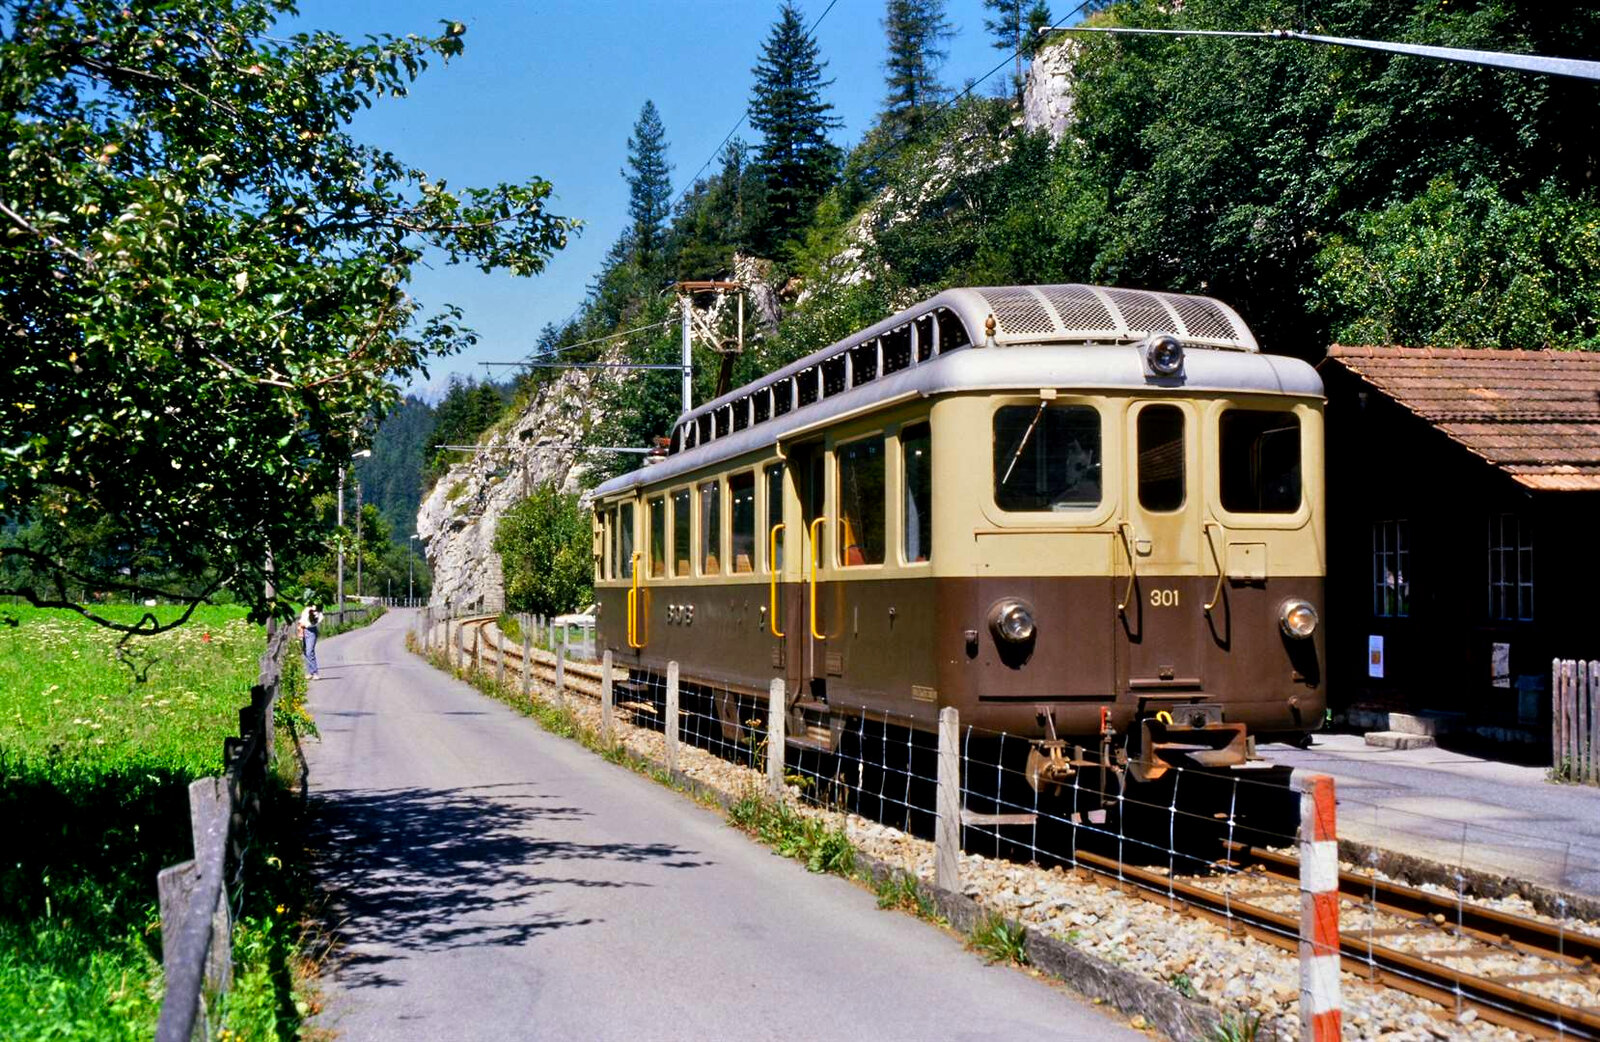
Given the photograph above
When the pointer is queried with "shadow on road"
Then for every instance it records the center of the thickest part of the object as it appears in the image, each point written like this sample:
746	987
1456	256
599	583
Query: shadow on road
413	869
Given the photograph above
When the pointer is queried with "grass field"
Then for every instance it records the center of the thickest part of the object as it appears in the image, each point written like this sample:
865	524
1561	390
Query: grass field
97	746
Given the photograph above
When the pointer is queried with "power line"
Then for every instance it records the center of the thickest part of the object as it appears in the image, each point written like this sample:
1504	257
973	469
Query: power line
597	340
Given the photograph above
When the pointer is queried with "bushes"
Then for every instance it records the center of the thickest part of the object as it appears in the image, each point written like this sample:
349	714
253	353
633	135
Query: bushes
544	544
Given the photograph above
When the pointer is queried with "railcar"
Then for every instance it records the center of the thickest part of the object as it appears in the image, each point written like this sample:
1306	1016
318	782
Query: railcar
1091	517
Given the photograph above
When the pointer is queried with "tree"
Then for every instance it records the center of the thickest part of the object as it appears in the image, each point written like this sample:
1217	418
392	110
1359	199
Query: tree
546	553
797	162
467	409
1015	27
201	285
915	29
649	188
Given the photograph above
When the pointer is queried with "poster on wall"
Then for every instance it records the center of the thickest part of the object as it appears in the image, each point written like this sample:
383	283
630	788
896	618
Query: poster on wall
1375	656
1500	664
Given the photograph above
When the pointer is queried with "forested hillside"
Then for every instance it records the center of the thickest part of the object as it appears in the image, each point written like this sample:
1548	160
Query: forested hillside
1329	194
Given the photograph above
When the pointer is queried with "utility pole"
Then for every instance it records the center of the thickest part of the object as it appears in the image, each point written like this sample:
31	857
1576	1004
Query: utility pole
697	326
358	538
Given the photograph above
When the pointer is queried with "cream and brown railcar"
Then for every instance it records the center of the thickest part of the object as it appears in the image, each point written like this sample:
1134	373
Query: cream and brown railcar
1064	510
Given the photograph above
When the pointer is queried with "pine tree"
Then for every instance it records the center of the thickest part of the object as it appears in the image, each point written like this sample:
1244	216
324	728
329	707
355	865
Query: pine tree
916	29
1015	26
796	161
649	188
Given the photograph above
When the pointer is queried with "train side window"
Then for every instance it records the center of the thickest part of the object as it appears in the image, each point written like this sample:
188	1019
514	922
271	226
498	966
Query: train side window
924	338
806	382
658	537
952	334
624	541
1260	461
782	397
611	543
1046	457
833	375
742	514
602	567
864	362
1162	481
680	532
896	350
916	449
711	528
861	502
703	428
775	514
761	402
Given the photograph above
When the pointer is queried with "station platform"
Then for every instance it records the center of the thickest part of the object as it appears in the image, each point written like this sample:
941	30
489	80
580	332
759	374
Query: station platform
1455	809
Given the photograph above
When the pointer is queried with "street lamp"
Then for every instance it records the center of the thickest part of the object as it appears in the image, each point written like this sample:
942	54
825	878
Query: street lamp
339	520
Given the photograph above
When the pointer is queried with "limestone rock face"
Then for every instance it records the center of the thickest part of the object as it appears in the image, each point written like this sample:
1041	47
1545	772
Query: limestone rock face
1047	96
458	518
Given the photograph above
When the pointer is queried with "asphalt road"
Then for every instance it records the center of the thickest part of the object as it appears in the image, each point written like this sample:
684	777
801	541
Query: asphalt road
497	882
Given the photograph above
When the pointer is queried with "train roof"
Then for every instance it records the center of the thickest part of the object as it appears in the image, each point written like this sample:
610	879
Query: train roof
1045	336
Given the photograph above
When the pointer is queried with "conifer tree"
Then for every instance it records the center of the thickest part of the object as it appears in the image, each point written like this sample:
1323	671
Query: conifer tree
916	31
649	188
1014	26
796	161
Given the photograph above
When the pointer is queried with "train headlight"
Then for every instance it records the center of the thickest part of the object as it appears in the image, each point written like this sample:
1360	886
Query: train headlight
1298	618
1164	355
1012	621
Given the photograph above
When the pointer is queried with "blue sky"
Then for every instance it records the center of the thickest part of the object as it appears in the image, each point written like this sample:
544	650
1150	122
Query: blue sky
553	88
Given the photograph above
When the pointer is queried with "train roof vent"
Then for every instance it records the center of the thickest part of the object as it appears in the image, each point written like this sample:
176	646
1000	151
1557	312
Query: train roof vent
1099	313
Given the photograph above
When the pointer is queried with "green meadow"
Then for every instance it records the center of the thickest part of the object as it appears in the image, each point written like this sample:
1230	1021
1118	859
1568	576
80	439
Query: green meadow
98	742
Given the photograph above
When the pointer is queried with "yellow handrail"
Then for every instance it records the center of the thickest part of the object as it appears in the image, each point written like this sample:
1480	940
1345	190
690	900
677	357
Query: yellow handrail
1216	594
819	520
772	565
1133	569
633	604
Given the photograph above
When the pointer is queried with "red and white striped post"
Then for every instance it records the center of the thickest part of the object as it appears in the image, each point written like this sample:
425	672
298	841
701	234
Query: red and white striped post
1320	1012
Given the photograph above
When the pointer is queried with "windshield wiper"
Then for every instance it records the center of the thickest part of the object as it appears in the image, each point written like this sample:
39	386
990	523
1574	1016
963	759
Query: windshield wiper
1026	436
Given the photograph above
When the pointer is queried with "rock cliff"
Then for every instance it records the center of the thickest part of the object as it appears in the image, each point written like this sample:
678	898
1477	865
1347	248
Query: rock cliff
1047	96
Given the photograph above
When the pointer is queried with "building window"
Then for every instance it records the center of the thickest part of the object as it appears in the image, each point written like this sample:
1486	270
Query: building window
1391	569
1510	568
861	502
916	448
742	490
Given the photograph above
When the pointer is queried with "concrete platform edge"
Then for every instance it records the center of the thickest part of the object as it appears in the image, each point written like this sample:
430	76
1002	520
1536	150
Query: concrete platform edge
1546	900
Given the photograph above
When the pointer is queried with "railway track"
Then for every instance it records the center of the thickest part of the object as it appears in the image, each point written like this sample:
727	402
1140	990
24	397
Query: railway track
1522	973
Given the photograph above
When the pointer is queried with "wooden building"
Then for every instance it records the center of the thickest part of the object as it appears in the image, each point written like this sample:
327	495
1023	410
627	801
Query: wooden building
1463	531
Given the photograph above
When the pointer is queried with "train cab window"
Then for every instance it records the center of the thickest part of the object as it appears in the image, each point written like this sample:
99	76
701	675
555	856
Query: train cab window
832	375
658	537
924	338
806	385
742	516
782	397
952	334
896	350
711	528
775	515
864	362
681	541
916	448
624	541
1162	481
1046	457
861	502
1260	461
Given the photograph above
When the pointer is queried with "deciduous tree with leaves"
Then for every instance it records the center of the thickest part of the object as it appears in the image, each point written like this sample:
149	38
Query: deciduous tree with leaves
202	285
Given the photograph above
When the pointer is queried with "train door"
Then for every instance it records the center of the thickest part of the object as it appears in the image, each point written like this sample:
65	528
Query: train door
1161	634
808	642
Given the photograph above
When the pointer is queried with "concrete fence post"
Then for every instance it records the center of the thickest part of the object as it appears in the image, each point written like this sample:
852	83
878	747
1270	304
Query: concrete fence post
947	825
461	646
777	742
500	658
527	659
605	698
669	726
1320	1007
561	677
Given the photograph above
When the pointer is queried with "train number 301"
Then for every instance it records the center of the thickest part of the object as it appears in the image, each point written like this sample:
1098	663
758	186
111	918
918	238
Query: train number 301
1163	598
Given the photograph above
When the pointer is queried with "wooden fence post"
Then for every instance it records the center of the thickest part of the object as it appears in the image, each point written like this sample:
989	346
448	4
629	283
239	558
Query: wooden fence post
947	826
1556	743
1320	1008
669	726
500	658
605	698
777	743
1594	719
527	658
561	677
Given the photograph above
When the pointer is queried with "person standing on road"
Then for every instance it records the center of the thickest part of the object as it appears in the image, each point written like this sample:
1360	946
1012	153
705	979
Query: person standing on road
306	629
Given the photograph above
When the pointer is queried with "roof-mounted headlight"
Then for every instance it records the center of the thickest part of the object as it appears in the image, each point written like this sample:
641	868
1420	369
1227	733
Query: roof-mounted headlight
1163	355
1011	620
1297	618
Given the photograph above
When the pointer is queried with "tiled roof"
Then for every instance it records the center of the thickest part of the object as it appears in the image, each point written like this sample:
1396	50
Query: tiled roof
1533	414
